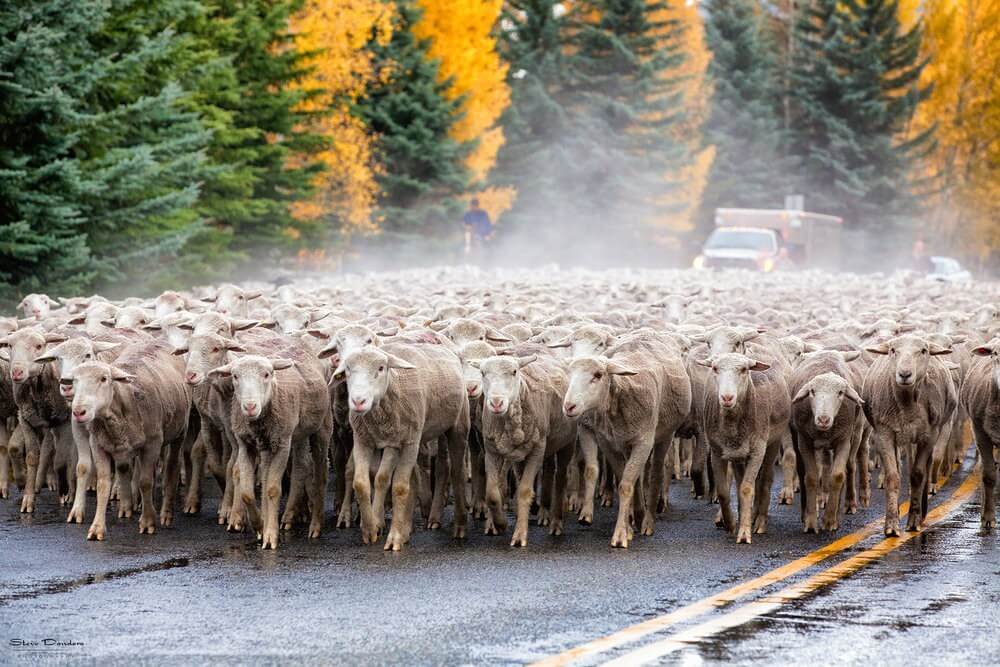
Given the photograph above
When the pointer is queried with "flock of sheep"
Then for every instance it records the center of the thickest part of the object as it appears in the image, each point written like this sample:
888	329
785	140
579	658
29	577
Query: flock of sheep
543	391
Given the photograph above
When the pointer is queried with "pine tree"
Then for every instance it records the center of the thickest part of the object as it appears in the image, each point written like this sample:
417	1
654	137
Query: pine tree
410	115
750	168
855	89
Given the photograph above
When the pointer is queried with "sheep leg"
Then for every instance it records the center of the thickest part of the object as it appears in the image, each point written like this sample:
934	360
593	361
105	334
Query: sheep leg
788	468
889	456
46	451
810	489
84	466
545	492
526	493
588	451
636	463
564	459
573	482
661	451
699	464
940	459
4	461
272	468
147	471
63	459
32	445
383	478
919	481
230	493
686	448
123	470
762	486
496	522
297	485
340	451
723	488
170	481
457	443
441	472
864	467
478	462
15	449
363	455
984	444
318	449
837	474
402	494
747	474
346	514
199	454
675	459
102	463
244	493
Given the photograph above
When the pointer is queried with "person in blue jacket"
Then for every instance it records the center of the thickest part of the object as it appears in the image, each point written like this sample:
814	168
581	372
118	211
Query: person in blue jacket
478	227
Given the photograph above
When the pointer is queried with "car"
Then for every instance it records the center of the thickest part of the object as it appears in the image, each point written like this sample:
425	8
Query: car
948	270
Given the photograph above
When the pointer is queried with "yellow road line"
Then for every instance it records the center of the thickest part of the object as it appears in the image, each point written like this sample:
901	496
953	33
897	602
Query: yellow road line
695	609
769	603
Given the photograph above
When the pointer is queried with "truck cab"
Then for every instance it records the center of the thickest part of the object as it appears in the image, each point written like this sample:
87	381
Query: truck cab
740	248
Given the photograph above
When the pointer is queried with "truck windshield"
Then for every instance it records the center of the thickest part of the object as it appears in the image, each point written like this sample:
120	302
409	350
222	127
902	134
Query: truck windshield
742	239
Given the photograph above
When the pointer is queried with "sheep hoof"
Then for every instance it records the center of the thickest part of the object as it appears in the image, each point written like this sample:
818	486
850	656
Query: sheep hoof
851	509
286	525
147	528
433	524
810	529
166	518
892	530
744	537
96	533
458	532
124	513
760	526
192	508
556	528
586	519
314	532
394	542
270	540
27	505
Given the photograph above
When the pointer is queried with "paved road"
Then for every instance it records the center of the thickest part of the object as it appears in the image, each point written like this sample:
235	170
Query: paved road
193	594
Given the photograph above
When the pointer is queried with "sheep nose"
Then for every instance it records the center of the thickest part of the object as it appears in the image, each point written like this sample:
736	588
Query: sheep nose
472	388
905	375
250	407
79	414
727	399
17	374
569	408
823	420
359	403
191	378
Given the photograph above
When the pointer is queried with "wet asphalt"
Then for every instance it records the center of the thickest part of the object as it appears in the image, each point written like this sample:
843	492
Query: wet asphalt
193	594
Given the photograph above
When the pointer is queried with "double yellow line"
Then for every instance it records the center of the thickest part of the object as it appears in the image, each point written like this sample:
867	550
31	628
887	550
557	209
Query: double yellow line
764	605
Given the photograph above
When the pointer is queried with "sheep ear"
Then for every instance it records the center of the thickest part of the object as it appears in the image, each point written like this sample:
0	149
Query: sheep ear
850	355
317	333
614	368
981	351
707	363
55	338
178	351
328	351
958	340
155	325
338	373
803	393
20	306
749	335
387	333
4	342
317	315
52	302
438	326
937	350
758	366
905	328
221	372
235	347
47	358
108	323
282	364
853	395
497	337
267	324
879	349
474	363
187	326
250	296
402	364
524	361
104	346
119	375
562	342
242	325
209	299
811	347
79	319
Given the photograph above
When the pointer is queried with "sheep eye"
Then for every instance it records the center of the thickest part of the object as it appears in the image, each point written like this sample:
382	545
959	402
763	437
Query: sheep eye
104	379
892	350
381	368
369	342
598	376
267	375
239	298
924	351
840	394
513	372
215	349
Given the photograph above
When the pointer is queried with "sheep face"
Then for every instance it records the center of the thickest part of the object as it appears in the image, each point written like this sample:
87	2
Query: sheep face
367	374
732	377
590	343
589	383
36	306
825	394
992	350
71	354
290	318
233	301
176	328
169	303
253	382
132	317
205	353
470	354
501	381
93	389
26	345
910	355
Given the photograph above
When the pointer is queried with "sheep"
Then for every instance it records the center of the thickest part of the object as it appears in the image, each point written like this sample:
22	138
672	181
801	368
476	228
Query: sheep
470	353
133	409
588	340
632	404
523	423
8	415
461	331
909	398
42	412
824	424
280	408
37	306
746	413
401	396
980	397
232	301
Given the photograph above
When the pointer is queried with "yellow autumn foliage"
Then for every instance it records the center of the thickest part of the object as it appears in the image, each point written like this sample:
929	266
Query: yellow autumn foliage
337	32
961	40
461	39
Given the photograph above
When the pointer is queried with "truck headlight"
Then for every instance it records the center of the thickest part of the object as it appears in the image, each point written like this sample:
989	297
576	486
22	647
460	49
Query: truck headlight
699	262
767	264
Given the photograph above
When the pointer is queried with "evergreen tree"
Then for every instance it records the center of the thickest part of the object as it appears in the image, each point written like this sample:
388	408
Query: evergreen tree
855	80
750	168
410	116
593	100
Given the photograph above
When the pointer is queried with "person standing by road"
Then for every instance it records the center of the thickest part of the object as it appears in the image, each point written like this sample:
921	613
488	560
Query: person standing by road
478	228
